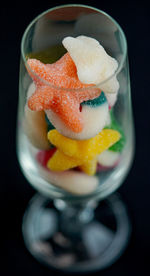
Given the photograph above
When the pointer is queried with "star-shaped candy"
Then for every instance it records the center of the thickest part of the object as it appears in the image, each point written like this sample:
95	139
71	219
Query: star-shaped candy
59	89
74	153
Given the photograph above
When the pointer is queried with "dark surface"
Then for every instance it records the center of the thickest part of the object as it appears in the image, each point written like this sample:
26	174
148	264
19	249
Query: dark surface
16	192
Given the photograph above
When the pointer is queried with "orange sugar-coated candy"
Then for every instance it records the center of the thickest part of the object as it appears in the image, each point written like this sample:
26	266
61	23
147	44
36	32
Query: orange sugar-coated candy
64	102
62	73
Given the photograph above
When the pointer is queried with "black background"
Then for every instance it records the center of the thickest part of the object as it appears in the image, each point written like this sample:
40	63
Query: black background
134	18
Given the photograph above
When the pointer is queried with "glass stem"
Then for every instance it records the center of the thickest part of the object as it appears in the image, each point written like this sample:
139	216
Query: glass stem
74	217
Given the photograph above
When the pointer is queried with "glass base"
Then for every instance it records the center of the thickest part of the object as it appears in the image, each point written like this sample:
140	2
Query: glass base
100	242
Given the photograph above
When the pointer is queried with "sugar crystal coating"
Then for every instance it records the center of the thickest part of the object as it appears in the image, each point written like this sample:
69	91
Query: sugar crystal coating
94	65
89	167
71	153
65	103
62	73
94	114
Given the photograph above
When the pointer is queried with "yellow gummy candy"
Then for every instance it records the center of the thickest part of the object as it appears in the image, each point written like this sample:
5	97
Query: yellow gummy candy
62	162
67	145
85	149
89	167
73	153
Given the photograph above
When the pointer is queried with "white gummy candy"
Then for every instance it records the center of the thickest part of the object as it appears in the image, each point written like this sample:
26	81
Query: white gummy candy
108	158
94	65
94	120
72	181
111	98
34	125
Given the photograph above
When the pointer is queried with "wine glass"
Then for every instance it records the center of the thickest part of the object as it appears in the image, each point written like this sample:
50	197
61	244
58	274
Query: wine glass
68	226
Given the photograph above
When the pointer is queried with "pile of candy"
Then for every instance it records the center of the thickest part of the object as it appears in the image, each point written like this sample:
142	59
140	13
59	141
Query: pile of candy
68	114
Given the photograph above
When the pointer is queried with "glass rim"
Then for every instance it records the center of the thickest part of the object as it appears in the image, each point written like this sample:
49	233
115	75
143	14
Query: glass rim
120	66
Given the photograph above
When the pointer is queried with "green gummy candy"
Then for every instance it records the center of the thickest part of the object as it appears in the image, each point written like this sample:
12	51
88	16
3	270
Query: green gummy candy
118	146
97	101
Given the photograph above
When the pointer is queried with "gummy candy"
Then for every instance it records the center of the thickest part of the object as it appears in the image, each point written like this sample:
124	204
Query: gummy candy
89	167
60	74
101	168
61	162
72	96
74	182
108	158
94	118
64	102
44	155
94	114
93	66
71	153
36	128
118	146
111	98
84	149
96	102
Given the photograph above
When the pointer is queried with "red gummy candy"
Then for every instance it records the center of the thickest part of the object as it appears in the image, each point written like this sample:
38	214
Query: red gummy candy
44	155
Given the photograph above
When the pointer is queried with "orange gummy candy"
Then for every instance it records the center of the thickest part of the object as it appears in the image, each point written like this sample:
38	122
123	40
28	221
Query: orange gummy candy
64	101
